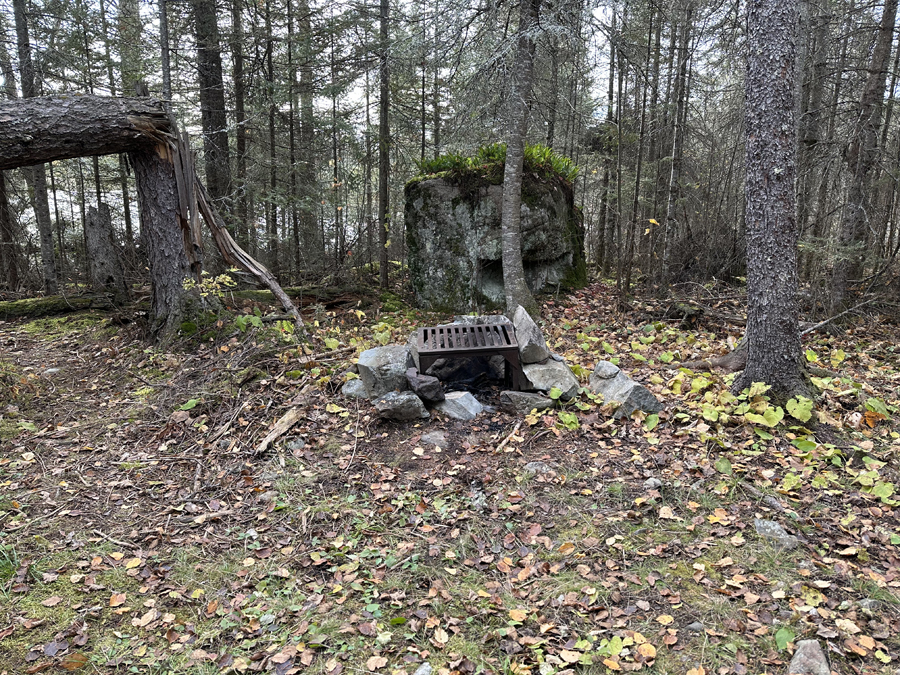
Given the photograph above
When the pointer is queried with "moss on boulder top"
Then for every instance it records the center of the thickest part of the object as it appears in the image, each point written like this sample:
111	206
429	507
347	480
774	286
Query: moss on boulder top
486	166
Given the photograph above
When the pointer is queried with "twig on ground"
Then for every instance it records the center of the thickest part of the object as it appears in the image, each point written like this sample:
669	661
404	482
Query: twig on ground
836	316
118	542
508	437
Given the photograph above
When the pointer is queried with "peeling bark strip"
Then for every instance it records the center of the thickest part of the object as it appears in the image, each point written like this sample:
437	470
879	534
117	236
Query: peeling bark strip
49	128
773	336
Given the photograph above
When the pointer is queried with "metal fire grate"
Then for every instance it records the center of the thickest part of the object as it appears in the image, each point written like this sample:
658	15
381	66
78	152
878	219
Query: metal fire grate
460	341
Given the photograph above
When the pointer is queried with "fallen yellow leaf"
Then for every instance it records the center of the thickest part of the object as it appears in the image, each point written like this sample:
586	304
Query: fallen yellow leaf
647	650
518	614
376	662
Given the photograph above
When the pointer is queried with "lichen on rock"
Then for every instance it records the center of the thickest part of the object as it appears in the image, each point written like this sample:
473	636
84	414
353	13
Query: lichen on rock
454	237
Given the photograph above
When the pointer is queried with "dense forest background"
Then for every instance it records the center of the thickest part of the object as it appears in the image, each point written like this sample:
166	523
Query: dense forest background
291	103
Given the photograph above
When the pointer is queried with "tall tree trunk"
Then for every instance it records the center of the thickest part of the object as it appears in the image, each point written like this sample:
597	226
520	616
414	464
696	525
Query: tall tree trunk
368	161
603	239
240	119
384	141
292	140
773	337
554	92
9	252
861	157
9	257
164	54
212	104
514	283
635	207
271	203
39	200
670	225
129	38
314	246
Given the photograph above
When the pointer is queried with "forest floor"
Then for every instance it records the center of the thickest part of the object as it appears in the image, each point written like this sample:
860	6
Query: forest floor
144	529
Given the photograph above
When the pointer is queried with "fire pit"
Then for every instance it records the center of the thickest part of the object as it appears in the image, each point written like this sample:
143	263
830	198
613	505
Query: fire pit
457	341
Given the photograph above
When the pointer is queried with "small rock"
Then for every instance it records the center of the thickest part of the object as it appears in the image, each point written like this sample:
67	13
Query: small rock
523	402
809	659
538	468
606	370
383	369
412	344
775	534
296	444
546	376
653	483
354	389
426	387
532	346
868	605
460	405
435	438
51	371
477	496
616	387
402	406
424	669
696	627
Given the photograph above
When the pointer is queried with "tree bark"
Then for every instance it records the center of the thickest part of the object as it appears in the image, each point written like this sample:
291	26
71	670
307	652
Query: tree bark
212	103
384	143
773	337
514	283
50	128
861	158
9	255
39	199
313	247
240	136
158	196
104	263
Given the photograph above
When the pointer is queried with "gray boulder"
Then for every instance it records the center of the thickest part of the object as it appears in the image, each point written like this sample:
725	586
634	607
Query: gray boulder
402	406
545	376
454	241
354	389
532	346
523	402
775	534
383	369
460	405
426	387
616	387
809	659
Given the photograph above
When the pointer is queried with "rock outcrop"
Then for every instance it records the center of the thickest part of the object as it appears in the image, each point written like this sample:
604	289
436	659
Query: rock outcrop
453	238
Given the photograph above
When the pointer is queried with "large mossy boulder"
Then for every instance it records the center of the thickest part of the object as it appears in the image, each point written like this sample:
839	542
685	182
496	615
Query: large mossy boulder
453	235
